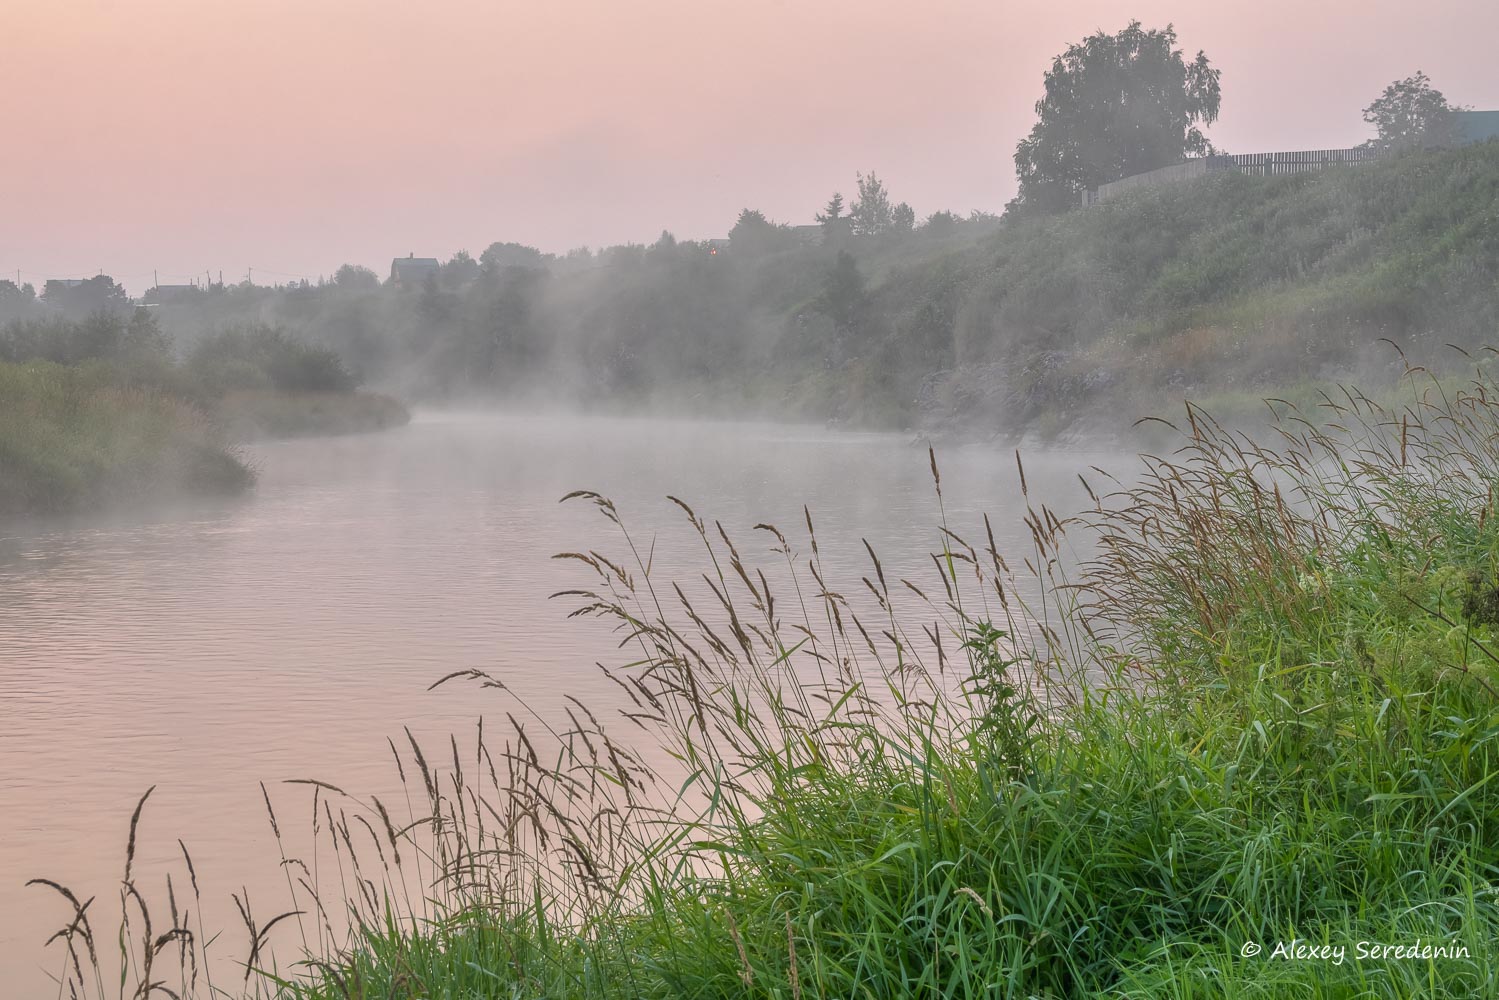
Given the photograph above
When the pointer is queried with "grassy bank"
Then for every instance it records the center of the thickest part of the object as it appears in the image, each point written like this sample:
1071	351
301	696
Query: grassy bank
75	437
1227	285
100	412
1264	714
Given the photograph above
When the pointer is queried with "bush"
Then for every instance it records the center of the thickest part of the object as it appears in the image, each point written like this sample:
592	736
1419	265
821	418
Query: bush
261	357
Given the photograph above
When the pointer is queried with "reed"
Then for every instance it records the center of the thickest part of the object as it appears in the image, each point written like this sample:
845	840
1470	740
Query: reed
1249	697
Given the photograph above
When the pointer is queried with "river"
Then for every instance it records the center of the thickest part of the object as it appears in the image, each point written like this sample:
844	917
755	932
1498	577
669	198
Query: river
284	635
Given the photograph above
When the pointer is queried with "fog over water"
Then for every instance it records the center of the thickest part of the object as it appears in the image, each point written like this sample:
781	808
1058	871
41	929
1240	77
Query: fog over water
288	634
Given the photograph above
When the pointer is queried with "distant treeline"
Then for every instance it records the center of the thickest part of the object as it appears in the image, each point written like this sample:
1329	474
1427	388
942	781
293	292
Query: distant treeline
1229	283
136	351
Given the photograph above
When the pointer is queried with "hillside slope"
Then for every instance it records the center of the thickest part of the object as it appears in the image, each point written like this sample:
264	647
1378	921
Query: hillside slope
1227	284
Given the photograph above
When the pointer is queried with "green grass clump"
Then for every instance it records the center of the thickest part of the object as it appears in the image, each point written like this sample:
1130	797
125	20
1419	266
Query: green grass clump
76	437
1263	712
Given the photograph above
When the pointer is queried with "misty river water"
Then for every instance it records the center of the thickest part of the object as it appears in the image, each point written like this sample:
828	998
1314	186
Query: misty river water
285	635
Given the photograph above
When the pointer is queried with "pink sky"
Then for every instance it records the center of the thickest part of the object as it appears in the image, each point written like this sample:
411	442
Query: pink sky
294	135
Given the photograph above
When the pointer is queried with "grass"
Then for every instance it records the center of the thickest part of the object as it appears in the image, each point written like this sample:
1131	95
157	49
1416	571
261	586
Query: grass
1262	711
1225	284
75	437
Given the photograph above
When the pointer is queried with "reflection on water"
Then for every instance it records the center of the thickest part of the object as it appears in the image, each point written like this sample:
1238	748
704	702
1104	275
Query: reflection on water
286	635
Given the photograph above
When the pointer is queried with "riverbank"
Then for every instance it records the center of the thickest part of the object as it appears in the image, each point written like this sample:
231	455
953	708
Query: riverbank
101	412
75	438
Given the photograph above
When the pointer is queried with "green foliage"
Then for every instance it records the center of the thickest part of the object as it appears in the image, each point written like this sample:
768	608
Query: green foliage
499	256
871	214
753	234
97	412
902	219
354	276
843	298
1114	105
77	437
264	357
80	298
1411	114
831	218
460	270
136	341
1238	284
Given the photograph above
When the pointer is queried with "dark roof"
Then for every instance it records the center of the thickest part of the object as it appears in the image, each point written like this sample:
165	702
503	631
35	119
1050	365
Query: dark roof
1477	126
405	269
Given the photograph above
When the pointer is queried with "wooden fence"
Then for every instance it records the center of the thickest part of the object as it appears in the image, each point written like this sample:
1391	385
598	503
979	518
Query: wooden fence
1299	162
1255	164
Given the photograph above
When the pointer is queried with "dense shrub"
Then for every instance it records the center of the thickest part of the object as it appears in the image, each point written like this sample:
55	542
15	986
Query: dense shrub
263	357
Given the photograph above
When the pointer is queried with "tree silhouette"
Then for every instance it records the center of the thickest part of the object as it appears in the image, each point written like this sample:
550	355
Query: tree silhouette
1114	105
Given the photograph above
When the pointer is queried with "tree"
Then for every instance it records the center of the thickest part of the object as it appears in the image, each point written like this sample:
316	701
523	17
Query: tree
871	214
1114	105
842	298
831	217
80	297
355	276
143	337
1411	114
753	233
459	271
664	250
498	256
941	223
902	219
15	300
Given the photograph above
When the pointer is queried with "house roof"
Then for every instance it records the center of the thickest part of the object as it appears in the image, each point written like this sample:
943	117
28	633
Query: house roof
412	268
1477	126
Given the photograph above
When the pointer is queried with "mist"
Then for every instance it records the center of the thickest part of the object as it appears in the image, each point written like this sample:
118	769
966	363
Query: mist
818	501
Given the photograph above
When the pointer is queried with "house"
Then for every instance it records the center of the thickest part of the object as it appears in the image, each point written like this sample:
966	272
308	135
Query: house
167	293
412	271
808	236
1476	126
